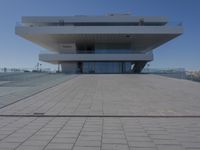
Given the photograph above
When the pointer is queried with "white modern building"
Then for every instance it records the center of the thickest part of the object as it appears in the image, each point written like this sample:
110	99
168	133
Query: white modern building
116	43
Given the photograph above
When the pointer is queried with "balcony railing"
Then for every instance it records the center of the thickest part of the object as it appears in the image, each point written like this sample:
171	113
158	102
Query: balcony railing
71	24
93	52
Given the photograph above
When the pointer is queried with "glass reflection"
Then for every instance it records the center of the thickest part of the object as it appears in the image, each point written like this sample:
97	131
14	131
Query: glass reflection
107	67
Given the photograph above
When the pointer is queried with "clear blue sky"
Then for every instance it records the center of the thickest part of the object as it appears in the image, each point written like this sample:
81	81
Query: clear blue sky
183	51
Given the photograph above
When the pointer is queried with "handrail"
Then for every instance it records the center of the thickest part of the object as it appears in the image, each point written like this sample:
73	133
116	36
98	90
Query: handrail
171	23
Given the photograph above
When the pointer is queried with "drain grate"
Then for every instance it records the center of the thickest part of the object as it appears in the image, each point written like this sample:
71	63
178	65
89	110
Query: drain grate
38	114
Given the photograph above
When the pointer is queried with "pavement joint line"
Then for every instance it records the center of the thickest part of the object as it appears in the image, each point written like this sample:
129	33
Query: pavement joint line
102	125
70	100
57	133
122	126
34	132
40	91
18	128
79	133
106	116
36	113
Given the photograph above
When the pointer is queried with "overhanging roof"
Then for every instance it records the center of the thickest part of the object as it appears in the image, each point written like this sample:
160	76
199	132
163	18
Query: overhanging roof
143	38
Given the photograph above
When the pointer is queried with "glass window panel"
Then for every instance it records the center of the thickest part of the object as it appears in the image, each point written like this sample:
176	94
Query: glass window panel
106	67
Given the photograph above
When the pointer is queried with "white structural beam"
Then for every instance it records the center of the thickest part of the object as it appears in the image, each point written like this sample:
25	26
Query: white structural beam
95	57
24	30
96	19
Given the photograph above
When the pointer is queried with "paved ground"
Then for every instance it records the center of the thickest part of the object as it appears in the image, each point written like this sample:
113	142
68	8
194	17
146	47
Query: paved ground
57	133
114	95
16	86
117	100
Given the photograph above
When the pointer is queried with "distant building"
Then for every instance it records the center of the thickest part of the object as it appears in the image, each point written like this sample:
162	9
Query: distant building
116	43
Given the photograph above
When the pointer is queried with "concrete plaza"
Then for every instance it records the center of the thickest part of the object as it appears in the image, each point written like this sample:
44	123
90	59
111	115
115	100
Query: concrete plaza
108	112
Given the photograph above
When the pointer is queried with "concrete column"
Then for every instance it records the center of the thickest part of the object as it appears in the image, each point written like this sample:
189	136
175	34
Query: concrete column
69	67
139	65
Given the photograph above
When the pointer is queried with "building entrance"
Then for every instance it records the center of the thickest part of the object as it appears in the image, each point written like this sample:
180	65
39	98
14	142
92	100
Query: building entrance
106	67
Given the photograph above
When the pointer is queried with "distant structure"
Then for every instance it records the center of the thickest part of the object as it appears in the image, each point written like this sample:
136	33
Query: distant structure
116	43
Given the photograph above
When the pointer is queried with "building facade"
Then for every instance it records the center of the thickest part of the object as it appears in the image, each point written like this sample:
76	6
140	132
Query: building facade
116	43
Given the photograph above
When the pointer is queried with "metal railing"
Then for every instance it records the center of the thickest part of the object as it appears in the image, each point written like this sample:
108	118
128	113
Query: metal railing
171	23
10	70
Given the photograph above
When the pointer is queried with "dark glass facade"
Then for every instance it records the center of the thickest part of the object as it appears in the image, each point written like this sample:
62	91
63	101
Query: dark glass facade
106	67
106	51
109	66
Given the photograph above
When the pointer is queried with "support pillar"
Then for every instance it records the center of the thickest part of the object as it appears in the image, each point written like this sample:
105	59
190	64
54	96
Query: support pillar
69	67
139	65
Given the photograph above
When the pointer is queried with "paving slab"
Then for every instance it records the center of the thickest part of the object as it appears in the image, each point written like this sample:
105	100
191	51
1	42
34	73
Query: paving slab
33	138
106	112
23	85
114	95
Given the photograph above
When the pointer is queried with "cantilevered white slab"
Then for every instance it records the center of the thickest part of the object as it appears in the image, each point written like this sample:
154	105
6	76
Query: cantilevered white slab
95	57
111	18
